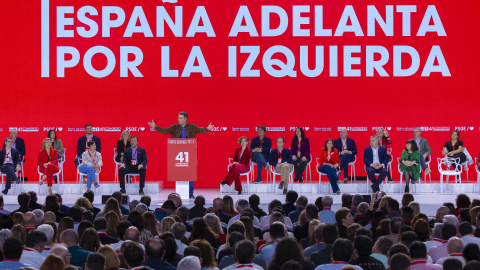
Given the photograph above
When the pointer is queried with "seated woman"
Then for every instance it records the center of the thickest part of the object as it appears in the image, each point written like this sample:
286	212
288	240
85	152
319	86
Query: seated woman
300	148
91	163
48	162
454	148
122	145
384	140
56	143
410	164
328	162
240	164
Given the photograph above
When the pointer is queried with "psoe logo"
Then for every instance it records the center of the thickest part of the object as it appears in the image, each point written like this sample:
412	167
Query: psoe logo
465	128
387	128
135	128
304	128
52	128
219	129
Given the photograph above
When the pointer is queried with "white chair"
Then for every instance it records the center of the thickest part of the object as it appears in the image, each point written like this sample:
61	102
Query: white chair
401	175
389	164
369	183
60	164
352	170
80	177
4	180
247	174
117	164
320	175
308	170
478	176
132	176
448	162
252	171
427	163
40	175
274	173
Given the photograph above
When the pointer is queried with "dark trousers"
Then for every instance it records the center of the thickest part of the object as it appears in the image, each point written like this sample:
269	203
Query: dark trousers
344	160
299	166
131	169
9	170
371	175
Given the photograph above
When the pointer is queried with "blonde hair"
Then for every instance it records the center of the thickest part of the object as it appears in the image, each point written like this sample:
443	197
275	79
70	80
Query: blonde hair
111	258
415	206
243	138
44	142
167	223
311	230
213	222
123	132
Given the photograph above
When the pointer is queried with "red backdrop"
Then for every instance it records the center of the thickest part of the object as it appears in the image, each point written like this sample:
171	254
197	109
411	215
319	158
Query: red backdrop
235	105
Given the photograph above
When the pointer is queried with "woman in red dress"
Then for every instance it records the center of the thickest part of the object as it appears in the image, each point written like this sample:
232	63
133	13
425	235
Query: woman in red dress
48	162
240	164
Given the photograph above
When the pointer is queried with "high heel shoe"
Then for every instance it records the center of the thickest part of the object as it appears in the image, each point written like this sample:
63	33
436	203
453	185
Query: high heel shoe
42	180
407	189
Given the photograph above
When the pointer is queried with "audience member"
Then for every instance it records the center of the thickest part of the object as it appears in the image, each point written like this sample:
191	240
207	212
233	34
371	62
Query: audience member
69	237
155	251
53	262
454	249
400	262
12	251
342	251
362	249
437	252
329	235
419	256
95	261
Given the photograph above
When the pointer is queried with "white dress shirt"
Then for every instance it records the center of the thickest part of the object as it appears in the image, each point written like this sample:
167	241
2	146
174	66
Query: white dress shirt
32	257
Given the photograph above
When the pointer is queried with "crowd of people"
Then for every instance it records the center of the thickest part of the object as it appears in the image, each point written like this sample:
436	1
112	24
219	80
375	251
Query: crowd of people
371	232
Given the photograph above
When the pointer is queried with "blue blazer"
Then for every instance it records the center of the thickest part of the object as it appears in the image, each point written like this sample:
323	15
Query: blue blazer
82	142
19	146
15	157
286	157
351	146
266	146
141	156
382	156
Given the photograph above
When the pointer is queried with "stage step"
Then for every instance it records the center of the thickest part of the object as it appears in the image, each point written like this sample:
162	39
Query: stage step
132	189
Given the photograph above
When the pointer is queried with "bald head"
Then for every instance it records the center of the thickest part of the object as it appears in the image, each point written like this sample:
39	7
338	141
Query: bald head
343	134
175	198
60	250
49	217
132	234
218	203
69	237
441	212
29	220
454	245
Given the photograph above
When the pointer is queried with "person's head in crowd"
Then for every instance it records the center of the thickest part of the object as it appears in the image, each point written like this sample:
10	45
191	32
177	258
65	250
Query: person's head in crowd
475	202
90	195
234	238
249	230
75	212
228	205
407	199
437	230
400	262
279	209
48	231
382	245
327	201
169	207
112	262
29	220
193	251
4	235
244	252
271	205
448	231
383	228
291	197
452	219
393	206
362	208
82	227
69	237
117	195
95	261
211	210
237	226
23	199
356	200
319	203
475	216
17	218
199	201
147	200
472	265
451	208
136	219
141	208
150	223
364	231
311	230
178	230
241	205
62	251
287	249
395	224
342	250
302	201
70	267
213	222
155	248
407	213
189	263
132	234
415	207
396	249
218	202
18	232
418	251
175	197
122	228
347	200
49	217
351	230
170	246
454	245
422	229
418	217
311	212
441	211
36	240
463	201
200	230
51	204
377	216
407	238
344	217
329	234
133	254
100	224
33	197
291	265
404	228
84	202
362	246
208	253
112	205
452	264
133	204
277	231
53	262
318	237
64	224
12	249
464	215
471	252
465	228
89	240
183	212
39	216
87	215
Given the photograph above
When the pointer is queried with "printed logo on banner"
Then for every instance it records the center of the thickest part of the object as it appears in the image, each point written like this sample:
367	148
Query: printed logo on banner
54	128
76	129
353	128
219	129
107	129
463	128
387	128
435	128
304	128
405	128
135	128
25	129
244	129
322	129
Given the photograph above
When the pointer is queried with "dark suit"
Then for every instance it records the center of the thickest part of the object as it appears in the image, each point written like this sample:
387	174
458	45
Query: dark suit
368	160
289	207
158	264
5	219
224	217
22	209
345	158
197	211
9	168
301	231
323	256
121	149
106	240
19	146
82	145
129	168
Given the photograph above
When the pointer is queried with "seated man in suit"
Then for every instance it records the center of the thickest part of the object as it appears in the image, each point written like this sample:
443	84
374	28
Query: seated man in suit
9	163
347	150
376	159
134	161
281	159
260	147
82	143
17	144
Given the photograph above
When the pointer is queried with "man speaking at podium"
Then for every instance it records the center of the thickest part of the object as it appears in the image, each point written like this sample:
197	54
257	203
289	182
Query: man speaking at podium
183	130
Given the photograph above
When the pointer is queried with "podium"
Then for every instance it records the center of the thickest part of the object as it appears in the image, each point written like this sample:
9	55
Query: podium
182	164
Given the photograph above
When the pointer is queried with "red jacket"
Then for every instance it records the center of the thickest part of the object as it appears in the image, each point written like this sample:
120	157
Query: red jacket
334	157
247	155
44	158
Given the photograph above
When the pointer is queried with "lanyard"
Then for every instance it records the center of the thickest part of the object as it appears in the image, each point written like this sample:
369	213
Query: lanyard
261	143
440	241
244	265
14	144
94	156
344	145
456	255
339	263
418	262
7	156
